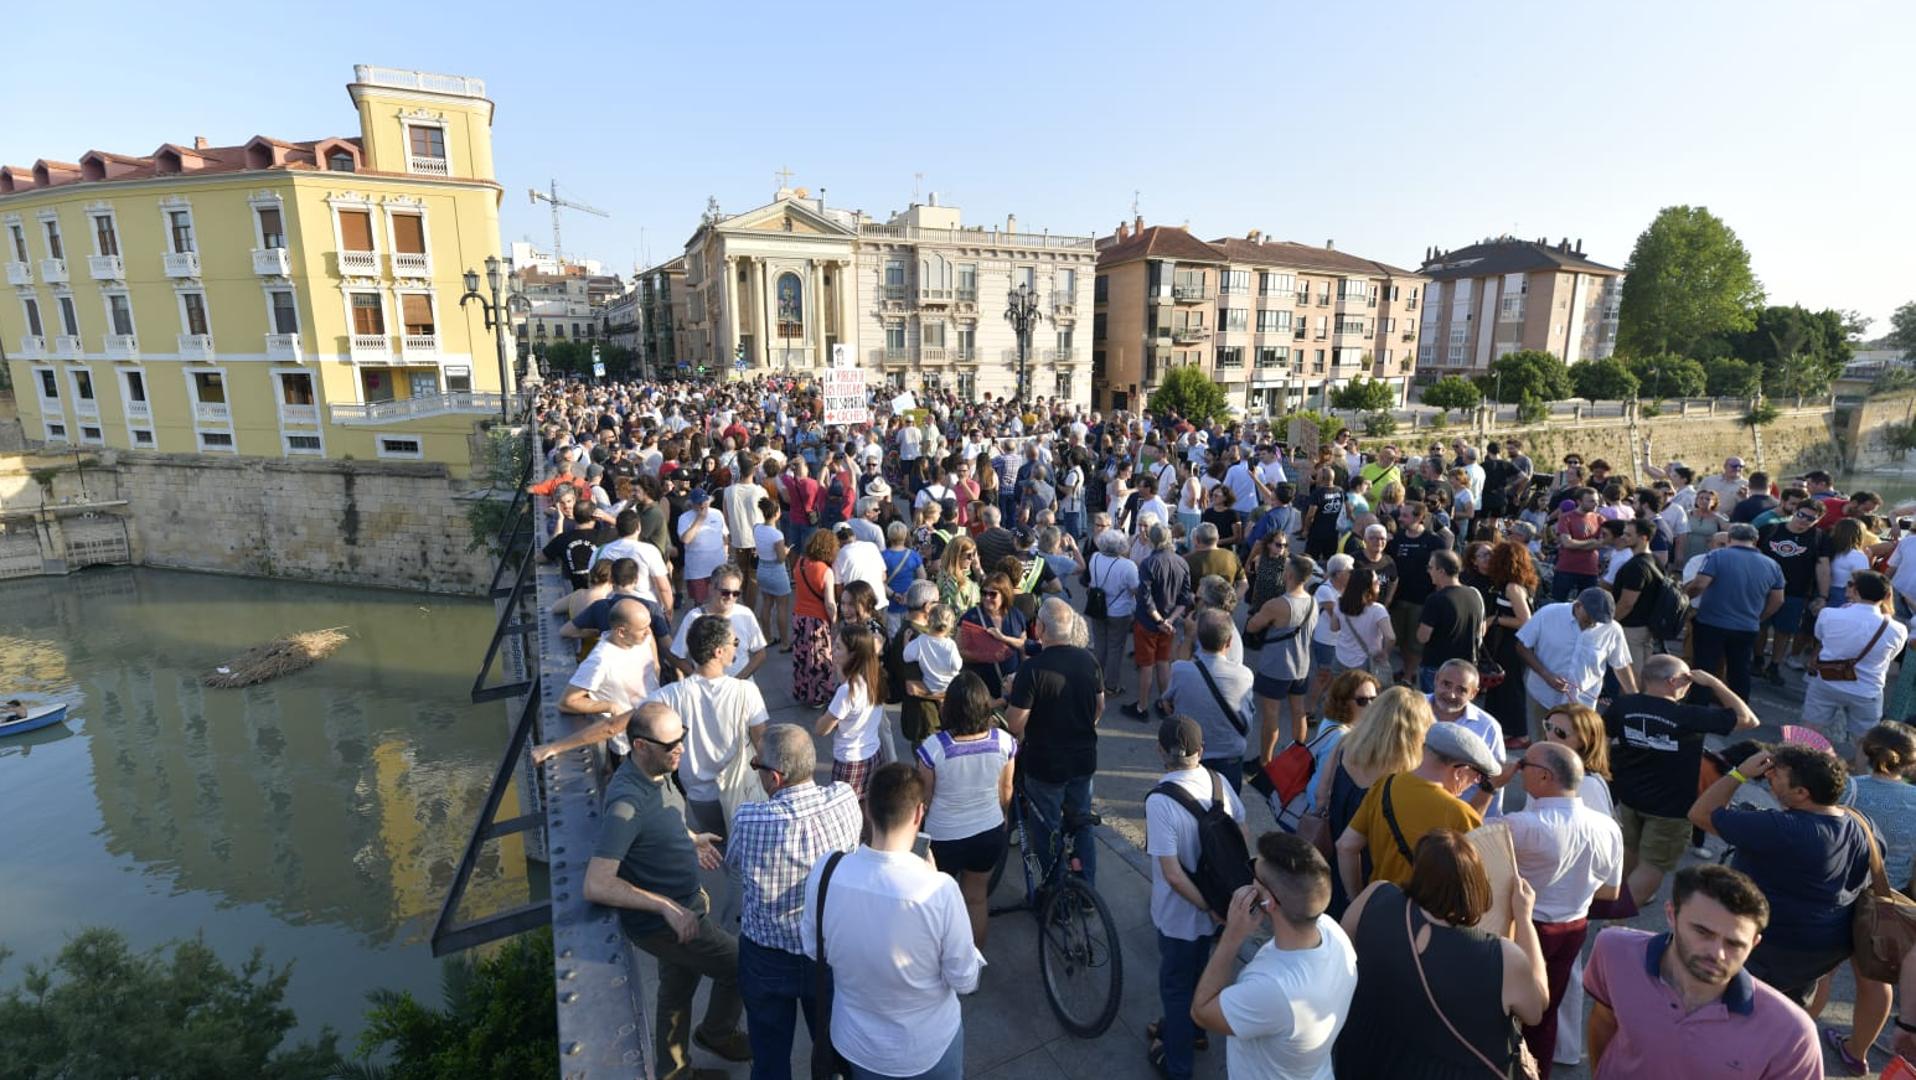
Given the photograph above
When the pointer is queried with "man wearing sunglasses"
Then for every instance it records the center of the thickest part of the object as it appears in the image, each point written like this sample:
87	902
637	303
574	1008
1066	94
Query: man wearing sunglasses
646	864
725	602
1802	551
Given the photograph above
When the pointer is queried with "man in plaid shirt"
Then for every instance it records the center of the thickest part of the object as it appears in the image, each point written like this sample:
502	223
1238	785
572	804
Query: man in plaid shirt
772	848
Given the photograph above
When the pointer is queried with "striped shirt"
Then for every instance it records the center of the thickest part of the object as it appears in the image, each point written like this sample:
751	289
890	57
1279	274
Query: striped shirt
773	846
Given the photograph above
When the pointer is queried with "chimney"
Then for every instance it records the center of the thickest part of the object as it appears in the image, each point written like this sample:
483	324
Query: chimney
1124	230
821	198
1011	223
199	142
1137	224
1330	245
932	199
1579	245
1253	236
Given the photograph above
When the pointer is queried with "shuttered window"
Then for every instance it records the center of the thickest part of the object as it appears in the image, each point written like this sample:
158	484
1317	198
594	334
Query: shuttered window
367	318
409	234
417	308
356	230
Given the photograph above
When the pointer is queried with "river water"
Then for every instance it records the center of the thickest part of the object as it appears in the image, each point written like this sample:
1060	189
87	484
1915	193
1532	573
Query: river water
319	816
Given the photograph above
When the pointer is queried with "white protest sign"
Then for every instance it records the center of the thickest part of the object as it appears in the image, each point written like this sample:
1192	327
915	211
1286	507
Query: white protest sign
841	355
903	403
845	396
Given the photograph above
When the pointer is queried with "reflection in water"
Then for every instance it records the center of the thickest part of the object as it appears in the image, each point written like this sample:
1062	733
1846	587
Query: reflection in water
321	815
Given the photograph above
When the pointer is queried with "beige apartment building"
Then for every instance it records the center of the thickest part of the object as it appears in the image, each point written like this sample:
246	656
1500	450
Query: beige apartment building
1505	294
1279	324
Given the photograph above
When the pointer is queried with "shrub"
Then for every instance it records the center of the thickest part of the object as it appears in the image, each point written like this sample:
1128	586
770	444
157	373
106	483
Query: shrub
1761	413
1380	423
499	1020
1189	392
1532	410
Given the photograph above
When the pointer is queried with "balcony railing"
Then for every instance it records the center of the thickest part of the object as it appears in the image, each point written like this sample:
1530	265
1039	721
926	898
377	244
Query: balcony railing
934	296
139	410
272	262
19	273
1304	297
68	347
964	356
211	412
410	264
182	264
1185	335
967	295
1064	303
1185	294
1323	299
1061	356
385	412
931	352
299	414
282	347
54	270
891	292
359	262
106	267
428	166
979	237
196	346
372	347
86	408
419	345
33	347
122	347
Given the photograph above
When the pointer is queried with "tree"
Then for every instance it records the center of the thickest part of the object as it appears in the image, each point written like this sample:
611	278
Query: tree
1689	281
1664	375
1527	373
1902	330
1799	350
175	1011
1452	392
1603	380
498	1020
1380	423
1364	395
1726	376
1189	392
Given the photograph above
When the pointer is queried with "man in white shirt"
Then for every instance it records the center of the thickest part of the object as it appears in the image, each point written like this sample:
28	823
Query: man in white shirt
1570	855
724	717
1454	702
619	672
1285	1008
910	443
704	538
726	602
739	502
1270	469
897	939
1243	484
1567	648
655	578
1185	923
859	560
864	521
1861	630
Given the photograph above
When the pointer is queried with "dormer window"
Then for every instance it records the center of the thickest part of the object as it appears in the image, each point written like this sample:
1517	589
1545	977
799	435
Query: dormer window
426	149
339	161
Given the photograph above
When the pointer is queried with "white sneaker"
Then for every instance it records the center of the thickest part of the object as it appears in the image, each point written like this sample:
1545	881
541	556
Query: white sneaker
1794	662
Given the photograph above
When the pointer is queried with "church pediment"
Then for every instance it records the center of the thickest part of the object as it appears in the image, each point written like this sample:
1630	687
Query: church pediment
786	216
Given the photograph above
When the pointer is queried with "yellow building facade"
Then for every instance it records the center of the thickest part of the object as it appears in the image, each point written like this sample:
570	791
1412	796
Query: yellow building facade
274	299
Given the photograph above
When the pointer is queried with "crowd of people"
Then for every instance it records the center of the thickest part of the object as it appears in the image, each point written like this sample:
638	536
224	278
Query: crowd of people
1486	702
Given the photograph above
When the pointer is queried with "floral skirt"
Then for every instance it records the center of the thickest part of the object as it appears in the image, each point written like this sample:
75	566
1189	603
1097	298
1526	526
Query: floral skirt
812	672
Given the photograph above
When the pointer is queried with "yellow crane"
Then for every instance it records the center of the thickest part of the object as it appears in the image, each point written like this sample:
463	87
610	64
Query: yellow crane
552	197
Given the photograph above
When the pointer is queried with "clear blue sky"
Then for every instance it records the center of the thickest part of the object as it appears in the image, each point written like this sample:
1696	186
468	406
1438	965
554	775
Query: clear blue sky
1385	126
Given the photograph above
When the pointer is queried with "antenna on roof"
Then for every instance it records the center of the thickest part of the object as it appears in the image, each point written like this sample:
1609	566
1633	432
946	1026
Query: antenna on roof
917	182
1134	202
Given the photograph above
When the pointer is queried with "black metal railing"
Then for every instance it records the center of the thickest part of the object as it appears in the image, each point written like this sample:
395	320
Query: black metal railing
513	622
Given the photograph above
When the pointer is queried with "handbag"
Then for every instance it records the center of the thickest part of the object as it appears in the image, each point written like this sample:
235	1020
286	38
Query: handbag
1883	921
977	646
827	1062
1315	828
1526	1062
1096	603
1845	670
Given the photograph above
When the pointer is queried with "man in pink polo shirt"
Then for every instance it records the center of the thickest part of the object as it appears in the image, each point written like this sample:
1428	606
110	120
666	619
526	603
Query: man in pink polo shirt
1679	1005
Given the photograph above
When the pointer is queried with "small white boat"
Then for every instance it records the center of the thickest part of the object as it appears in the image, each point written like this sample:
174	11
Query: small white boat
36	718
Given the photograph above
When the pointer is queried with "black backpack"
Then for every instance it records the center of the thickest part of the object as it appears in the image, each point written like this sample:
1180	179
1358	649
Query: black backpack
1224	860
1670	608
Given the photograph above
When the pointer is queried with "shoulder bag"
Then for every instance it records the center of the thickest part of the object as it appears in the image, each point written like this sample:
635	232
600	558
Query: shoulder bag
1845	670
1883	921
827	1062
1237	721
1397	834
1526	1063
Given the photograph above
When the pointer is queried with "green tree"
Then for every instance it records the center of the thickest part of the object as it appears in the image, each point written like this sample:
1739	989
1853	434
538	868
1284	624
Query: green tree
1902	330
1689	281
1532	410
1726	376
1189	392
1364	395
1527	373
1328	426
1380	423
1452	392
1799	350
101	1009
571	357
498	1022
1603	380
1664	375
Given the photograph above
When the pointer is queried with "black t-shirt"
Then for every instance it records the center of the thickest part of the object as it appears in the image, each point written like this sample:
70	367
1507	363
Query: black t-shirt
1753	507
1329	503
1385	568
1225	520
1455	616
1412	556
1638	574
1797	553
1060	687
1496	478
1659	745
573	549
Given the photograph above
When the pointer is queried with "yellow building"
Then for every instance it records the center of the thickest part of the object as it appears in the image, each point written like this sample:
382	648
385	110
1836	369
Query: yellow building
274	299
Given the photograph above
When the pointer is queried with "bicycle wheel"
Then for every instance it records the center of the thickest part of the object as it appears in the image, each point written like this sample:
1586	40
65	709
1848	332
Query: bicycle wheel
1079	958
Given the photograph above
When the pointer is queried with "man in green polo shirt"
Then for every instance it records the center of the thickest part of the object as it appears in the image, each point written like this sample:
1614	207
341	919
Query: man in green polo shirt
1382	471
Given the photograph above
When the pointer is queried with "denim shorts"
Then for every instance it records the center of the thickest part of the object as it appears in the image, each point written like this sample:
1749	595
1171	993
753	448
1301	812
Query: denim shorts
774	579
1789	618
1323	656
1267	686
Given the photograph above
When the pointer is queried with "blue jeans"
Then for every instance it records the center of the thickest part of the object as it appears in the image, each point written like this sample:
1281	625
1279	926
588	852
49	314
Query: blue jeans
1180	962
1565	586
1050	801
1071	522
775	985
949	1067
1427	679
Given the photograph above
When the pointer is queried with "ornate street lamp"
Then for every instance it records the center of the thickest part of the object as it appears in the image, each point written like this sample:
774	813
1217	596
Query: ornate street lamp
497	314
1022	312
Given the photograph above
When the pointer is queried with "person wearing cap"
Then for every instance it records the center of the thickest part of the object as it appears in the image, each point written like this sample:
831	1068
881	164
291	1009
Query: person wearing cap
1428	797
1566	649
1185	923
1737	589
704	538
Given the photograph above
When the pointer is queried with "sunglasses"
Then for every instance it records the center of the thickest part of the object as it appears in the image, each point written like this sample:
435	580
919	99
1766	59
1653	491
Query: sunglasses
1559	732
731	594
1364	699
662	744
760	766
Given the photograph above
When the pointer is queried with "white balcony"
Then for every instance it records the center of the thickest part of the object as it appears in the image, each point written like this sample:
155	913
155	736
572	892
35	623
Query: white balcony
272	262
419	346
19	273
33	347
212	412
376	348
359	262
386	412
299	414
407	264
54	270
196	346
182	264
282	347
429	166
67	347
122	347
1064	303
86	408
139	410
106	267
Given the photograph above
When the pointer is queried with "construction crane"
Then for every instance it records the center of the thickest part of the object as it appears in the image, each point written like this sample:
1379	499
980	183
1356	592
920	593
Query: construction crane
553	198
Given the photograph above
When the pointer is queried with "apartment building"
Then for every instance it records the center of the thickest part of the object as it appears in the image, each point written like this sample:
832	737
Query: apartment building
1279	324
273	298
1504	294
919	299
662	314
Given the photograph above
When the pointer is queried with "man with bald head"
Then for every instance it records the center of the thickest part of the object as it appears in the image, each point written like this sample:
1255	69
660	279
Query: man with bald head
646	864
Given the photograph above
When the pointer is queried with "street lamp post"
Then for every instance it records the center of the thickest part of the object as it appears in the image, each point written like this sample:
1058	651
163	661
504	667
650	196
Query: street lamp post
496	315
1021	312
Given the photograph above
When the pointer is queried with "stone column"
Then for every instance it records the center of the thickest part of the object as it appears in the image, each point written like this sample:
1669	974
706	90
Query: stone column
848	320
814	313
760	335
731	311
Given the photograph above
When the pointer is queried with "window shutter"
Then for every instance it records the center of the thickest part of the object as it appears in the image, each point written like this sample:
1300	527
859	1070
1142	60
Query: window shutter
367	318
356	229
418	312
409	234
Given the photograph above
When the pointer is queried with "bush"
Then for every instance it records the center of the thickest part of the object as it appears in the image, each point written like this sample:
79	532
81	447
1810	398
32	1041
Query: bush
1364	395
1603	380
1727	376
1189	392
1761	413
1328	426
1532	411
1893	381
1380	423
1438	422
1665	375
499	1020
1650	410
1452	392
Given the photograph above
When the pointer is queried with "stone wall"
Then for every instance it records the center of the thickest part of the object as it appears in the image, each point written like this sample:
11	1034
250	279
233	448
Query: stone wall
1866	429
1797	441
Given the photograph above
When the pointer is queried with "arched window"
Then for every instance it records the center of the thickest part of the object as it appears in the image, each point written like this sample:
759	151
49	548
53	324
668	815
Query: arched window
791	306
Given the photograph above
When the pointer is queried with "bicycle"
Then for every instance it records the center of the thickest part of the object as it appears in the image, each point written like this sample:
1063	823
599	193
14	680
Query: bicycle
1079	957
